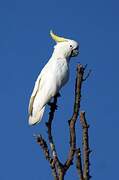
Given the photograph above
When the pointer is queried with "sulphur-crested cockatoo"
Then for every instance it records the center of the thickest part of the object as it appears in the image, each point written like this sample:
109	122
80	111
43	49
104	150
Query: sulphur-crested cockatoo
53	76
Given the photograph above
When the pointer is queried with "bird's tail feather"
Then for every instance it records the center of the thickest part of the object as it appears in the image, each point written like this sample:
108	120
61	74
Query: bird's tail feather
36	118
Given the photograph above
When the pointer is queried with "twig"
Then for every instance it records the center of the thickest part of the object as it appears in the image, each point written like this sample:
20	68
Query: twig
58	169
53	107
79	164
86	149
88	74
56	162
78	85
44	147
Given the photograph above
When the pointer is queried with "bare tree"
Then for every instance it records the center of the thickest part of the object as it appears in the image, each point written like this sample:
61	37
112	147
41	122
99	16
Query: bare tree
58	168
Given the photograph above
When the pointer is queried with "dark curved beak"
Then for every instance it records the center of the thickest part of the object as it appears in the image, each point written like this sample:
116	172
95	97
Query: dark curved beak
75	52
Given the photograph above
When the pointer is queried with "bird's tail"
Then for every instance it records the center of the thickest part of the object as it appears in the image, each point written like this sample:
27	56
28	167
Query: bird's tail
36	118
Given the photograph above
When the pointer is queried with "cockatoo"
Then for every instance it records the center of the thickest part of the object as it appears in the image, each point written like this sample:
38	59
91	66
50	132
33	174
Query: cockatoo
52	78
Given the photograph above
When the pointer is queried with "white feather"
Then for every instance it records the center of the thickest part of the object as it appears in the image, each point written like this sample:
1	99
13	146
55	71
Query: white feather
37	117
54	75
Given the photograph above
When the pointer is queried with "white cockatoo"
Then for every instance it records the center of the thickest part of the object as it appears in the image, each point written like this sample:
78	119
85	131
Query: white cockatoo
53	76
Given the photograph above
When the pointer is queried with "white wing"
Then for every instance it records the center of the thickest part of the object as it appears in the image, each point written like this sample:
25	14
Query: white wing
53	76
42	93
34	93
37	87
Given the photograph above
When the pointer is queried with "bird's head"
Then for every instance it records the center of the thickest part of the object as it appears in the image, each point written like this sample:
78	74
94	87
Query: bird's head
65	47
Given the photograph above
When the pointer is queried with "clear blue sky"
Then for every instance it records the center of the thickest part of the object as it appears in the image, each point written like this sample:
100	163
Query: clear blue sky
25	47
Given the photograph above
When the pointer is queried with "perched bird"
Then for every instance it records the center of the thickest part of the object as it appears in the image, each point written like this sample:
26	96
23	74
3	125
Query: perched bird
53	76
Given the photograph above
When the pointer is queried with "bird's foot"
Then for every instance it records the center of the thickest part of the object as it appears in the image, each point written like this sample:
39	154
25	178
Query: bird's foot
58	94
52	105
49	103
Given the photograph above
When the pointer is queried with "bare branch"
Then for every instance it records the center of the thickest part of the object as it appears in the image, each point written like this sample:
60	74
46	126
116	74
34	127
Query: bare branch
86	149
79	163
53	107
44	147
58	169
78	85
88	74
56	162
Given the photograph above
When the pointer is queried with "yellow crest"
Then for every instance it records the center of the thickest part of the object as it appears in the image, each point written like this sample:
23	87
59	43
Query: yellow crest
57	38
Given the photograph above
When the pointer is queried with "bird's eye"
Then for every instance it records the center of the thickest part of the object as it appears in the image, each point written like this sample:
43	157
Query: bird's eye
71	46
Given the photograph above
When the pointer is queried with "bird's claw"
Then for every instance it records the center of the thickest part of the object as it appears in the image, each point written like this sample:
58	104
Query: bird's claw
58	94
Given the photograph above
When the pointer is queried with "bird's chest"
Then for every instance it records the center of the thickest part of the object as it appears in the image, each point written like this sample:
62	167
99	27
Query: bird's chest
61	73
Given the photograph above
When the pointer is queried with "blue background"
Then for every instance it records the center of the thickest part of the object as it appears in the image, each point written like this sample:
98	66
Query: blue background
25	47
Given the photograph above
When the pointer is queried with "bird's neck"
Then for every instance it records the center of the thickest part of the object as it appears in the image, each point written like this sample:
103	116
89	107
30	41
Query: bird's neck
57	54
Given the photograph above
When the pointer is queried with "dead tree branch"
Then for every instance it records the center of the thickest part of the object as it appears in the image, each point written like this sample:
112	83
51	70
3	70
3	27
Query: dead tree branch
44	147
78	85
59	169
86	149
56	162
79	164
